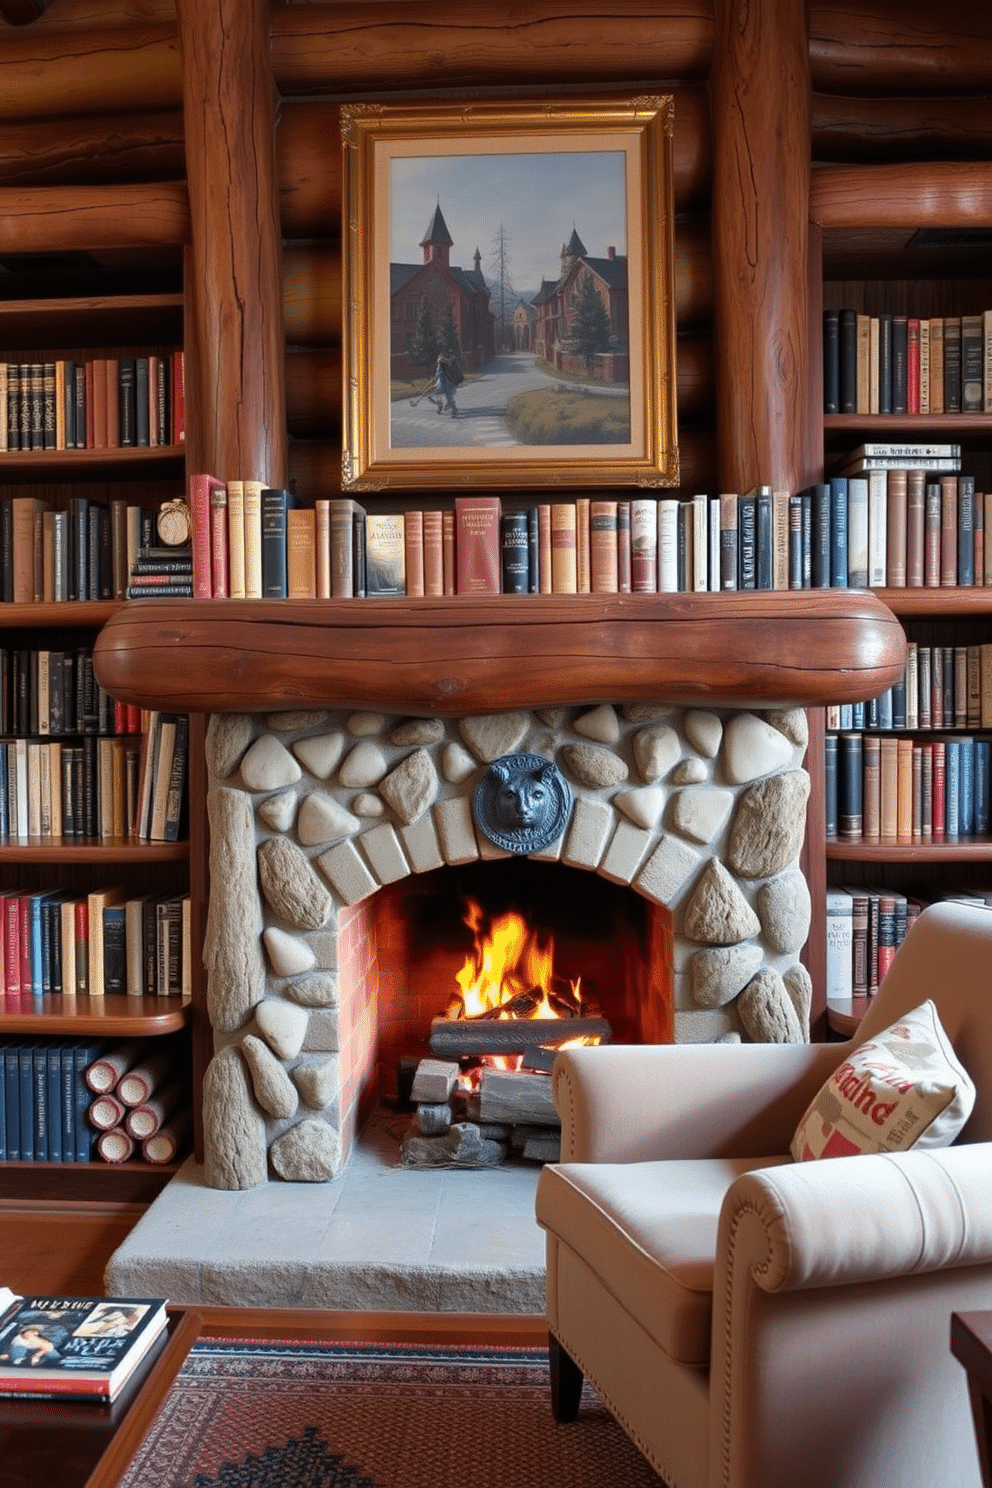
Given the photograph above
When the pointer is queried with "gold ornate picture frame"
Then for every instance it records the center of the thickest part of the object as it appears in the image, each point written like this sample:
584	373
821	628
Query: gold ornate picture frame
509	315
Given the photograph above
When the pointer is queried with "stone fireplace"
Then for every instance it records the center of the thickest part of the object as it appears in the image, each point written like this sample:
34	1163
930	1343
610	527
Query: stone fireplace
317	816
343	744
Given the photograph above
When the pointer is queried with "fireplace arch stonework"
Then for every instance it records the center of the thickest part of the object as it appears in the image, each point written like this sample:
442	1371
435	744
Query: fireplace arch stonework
311	813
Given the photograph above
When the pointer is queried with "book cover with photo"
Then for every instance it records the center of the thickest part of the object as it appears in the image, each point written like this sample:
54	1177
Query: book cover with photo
79	1346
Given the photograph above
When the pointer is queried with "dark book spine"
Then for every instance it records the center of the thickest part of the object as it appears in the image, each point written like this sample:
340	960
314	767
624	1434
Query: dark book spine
514	552
127	403
142	424
534	547
830	785
831	361
747	556
358	555
885	363
806	539
849	787
952	364
822	537
275	503
900	362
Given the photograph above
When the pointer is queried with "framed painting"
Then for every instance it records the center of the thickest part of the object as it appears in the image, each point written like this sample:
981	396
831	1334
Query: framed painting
509	311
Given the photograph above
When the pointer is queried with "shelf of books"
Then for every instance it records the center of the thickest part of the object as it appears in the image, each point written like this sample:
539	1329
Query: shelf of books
907	435
95	953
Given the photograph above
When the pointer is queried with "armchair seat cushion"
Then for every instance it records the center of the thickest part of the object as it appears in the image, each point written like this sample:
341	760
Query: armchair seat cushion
648	1230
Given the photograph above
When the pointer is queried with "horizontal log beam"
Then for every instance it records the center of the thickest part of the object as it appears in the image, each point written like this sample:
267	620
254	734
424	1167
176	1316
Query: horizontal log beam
94	150
874	46
866	130
916	195
78	71
39	219
310	172
389	44
459	656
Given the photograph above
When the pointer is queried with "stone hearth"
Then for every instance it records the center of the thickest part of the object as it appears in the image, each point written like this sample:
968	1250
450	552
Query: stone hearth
312	813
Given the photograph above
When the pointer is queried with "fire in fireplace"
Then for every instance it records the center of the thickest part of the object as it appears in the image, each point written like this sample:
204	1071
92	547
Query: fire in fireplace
483	1093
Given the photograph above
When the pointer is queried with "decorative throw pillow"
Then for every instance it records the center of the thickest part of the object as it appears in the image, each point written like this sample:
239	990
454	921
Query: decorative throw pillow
903	1088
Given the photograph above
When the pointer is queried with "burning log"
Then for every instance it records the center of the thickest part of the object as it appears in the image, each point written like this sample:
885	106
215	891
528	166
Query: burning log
452	1038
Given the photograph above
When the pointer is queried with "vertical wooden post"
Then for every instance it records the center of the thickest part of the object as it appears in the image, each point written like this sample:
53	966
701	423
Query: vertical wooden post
760	101
234	294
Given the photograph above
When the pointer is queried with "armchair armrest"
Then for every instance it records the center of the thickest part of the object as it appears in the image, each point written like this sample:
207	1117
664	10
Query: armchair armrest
859	1219
647	1102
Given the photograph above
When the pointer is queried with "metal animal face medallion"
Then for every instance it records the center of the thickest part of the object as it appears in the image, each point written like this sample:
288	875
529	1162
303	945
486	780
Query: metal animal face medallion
522	803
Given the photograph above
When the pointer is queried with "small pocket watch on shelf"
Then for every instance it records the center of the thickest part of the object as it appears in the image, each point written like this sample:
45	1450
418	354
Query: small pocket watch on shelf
174	523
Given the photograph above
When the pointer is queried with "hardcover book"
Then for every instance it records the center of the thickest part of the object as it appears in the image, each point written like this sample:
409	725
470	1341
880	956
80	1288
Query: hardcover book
477	544
385	555
78	1346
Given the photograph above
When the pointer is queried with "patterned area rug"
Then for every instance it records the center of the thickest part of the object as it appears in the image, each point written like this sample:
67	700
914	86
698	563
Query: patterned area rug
317	1415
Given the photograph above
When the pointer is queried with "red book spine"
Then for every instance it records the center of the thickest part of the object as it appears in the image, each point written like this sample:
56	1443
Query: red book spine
178	398
200	493
912	365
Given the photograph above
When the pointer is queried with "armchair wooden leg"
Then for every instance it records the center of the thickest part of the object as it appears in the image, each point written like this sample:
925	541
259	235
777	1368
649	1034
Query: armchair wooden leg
566	1383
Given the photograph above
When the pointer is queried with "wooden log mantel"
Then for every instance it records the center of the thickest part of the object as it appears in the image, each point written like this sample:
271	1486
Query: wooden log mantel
454	657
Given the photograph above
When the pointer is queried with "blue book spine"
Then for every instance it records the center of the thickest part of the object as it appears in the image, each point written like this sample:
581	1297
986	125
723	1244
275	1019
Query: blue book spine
25	1074
983	797
53	1081
838	532
275	503
3	1110
858	718
534	547
899	703
966	793
885	709
952	778
84	1055
42	1146
821	536
67	1102
12	1100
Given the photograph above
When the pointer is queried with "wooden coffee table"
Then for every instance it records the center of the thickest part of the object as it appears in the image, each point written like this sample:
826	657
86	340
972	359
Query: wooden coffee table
85	1444
971	1345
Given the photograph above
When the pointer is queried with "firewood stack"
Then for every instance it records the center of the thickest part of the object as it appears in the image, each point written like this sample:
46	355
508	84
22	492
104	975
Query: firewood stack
508	1112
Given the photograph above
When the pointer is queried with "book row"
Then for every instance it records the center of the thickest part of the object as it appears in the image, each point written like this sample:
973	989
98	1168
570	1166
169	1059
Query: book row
942	687
906	363
106	942
891	788
887	527
55	693
904	527
106	790
128	402
49	1111
85	550
864	929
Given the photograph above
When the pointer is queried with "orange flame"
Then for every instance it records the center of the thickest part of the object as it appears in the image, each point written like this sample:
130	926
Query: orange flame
503	963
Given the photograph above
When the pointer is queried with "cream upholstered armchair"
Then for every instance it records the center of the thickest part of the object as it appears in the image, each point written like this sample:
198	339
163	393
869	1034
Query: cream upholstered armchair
755	1322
